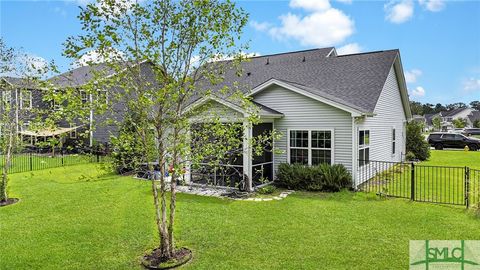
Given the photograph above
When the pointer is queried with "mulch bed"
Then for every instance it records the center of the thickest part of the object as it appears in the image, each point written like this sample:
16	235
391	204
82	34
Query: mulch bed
9	202
154	261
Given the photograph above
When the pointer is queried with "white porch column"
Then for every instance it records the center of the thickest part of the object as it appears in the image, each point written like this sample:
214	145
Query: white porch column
247	155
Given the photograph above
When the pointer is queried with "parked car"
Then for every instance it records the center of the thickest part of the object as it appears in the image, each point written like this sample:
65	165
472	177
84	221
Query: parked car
471	131
441	140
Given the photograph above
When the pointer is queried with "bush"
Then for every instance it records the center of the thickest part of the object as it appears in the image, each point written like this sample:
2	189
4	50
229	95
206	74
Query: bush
266	189
410	156
324	177
416	143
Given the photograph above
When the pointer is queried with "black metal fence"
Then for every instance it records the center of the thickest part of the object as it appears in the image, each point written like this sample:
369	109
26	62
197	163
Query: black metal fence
25	162
423	183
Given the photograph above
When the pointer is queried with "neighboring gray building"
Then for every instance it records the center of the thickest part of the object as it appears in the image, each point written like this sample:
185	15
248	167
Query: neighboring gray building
336	109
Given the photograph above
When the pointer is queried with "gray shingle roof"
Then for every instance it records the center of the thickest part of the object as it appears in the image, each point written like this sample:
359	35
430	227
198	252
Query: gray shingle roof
474	116
21	82
80	76
355	80
453	112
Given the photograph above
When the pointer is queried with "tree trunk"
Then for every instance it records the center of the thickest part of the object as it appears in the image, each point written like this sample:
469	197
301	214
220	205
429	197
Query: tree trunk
6	166
164	243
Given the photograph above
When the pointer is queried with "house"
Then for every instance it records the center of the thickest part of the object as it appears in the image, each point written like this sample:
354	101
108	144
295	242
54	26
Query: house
99	126
429	120
448	117
473	118
329	108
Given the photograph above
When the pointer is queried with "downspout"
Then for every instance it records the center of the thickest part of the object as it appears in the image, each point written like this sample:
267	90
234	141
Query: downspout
91	120
354	160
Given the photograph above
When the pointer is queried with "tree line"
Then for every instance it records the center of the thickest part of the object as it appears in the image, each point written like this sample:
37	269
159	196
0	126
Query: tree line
428	108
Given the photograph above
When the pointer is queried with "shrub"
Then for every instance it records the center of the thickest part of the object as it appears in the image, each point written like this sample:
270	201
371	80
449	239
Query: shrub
266	189
416	143
410	156
324	177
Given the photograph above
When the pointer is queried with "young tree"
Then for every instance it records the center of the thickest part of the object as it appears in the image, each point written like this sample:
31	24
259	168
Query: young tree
459	122
476	123
437	123
416	142
163	63
19	75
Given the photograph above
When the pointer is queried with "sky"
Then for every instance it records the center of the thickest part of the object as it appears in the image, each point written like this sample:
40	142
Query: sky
439	41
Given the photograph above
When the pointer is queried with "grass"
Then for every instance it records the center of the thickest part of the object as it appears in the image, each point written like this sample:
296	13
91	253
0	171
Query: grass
454	158
435	184
26	162
80	217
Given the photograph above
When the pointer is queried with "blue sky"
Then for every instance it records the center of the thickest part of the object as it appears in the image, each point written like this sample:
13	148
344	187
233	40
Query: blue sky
439	40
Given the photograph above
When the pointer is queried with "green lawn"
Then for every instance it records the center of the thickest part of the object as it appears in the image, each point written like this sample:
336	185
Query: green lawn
440	179
454	158
27	162
79	217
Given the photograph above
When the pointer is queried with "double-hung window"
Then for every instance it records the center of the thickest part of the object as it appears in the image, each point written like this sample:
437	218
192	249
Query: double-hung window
83	96
393	141
299	146
25	99
103	96
364	147
310	147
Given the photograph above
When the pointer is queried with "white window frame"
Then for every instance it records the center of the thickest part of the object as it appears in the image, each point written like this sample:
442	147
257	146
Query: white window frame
6	96
82	98
22	99
394	141
73	133
106	95
309	130
363	147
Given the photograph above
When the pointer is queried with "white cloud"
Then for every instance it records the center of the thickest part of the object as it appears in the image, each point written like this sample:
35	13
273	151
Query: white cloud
418	92
432	5
399	12
312	5
411	76
26	64
322	25
471	84
93	57
349	49
323	28
260	26
345	1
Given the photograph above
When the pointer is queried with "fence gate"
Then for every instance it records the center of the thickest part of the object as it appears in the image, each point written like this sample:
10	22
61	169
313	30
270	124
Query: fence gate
422	183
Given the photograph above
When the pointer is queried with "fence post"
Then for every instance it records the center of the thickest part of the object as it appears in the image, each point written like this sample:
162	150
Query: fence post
412	182
98	156
467	186
62	157
31	162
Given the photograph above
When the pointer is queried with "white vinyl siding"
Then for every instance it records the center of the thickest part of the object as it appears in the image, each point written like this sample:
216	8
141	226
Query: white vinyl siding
304	113
389	114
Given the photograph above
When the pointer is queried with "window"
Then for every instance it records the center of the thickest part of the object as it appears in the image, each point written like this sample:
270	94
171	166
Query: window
299	146
364	147
103	96
25	99
6	97
84	96
393	141
73	133
310	147
321	147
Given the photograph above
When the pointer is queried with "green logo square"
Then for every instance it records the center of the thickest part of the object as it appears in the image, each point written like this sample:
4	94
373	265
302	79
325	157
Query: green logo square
445	254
